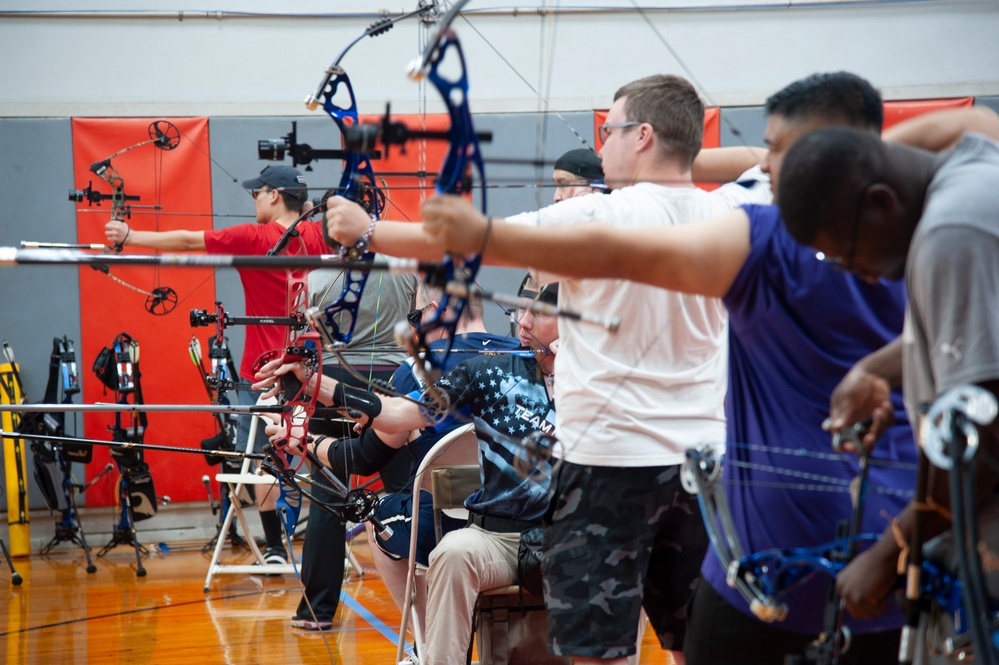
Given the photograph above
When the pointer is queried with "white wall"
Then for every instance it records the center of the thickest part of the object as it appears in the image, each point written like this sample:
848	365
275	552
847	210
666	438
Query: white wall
218	58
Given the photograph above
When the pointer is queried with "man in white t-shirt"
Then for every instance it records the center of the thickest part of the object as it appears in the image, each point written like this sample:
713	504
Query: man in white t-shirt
621	531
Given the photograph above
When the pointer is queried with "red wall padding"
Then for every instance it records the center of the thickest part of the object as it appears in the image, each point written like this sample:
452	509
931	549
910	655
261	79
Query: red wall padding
896	112
176	181
407	193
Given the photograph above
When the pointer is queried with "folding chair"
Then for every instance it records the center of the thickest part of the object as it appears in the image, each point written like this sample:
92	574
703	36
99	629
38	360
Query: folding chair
234	483
511	626
458	449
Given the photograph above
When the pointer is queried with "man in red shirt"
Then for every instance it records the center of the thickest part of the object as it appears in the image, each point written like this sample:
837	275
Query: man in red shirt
279	193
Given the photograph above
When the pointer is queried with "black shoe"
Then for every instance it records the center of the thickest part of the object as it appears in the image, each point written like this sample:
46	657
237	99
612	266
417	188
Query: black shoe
275	554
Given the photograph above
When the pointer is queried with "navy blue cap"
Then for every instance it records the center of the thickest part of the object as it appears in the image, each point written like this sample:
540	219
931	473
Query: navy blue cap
281	177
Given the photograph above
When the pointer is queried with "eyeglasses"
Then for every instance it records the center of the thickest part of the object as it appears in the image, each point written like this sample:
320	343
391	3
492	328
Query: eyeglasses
604	130
262	190
851	251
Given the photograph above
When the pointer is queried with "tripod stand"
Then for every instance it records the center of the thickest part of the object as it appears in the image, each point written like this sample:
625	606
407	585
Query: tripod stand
123	532
70	529
119	370
53	459
15	578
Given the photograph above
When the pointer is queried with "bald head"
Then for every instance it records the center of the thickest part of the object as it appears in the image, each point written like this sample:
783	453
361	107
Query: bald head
855	199
822	168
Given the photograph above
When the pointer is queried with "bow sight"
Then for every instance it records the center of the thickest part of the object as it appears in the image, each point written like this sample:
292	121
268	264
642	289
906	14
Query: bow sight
94	198
364	137
201	318
301	153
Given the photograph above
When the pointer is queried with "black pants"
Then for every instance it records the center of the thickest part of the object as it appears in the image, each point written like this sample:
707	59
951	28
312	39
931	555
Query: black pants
325	536
719	634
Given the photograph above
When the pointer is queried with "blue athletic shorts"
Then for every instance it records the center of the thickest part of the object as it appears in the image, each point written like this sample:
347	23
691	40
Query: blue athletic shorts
396	511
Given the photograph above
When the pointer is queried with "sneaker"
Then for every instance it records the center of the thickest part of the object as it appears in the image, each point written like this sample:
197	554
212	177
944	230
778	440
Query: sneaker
309	624
275	555
272	556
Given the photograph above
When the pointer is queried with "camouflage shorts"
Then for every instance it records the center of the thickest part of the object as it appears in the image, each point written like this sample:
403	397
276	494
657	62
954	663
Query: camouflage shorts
617	539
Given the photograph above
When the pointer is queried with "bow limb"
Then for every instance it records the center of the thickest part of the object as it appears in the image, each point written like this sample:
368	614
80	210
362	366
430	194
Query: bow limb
463	157
425	9
335	323
759	577
702	476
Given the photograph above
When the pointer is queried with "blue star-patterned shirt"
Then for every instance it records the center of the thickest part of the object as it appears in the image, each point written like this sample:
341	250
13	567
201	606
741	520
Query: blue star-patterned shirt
507	400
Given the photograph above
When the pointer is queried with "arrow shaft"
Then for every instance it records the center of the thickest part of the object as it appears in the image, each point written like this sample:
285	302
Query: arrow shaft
148	408
124	444
15	256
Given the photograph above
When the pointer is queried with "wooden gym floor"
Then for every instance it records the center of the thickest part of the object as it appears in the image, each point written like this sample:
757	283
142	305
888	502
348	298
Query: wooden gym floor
61	615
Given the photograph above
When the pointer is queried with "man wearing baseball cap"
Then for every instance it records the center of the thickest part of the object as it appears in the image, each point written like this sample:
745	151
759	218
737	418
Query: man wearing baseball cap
578	172
278	195
286	180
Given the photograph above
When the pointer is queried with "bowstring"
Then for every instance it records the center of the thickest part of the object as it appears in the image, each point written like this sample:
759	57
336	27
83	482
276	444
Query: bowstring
544	79
694	80
543	101
421	156
234	180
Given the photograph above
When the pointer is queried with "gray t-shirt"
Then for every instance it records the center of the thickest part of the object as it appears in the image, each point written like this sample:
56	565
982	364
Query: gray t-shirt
386	300
951	334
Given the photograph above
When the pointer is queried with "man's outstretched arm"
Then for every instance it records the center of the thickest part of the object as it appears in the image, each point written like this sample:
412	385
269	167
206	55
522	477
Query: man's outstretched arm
701	258
346	222
940	130
164	241
720	165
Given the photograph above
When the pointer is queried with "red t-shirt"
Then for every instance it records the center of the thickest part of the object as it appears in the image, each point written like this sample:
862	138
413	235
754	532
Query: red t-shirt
266	291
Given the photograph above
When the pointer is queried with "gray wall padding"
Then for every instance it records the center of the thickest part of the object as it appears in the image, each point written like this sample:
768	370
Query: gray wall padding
36	172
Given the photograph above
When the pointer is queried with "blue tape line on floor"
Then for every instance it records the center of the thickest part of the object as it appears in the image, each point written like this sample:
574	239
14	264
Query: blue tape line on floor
375	622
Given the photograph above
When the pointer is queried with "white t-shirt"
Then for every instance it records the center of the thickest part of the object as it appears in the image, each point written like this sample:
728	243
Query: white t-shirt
644	394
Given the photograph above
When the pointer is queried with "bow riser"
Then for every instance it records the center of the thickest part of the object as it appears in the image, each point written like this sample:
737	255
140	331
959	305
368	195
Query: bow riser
357	183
